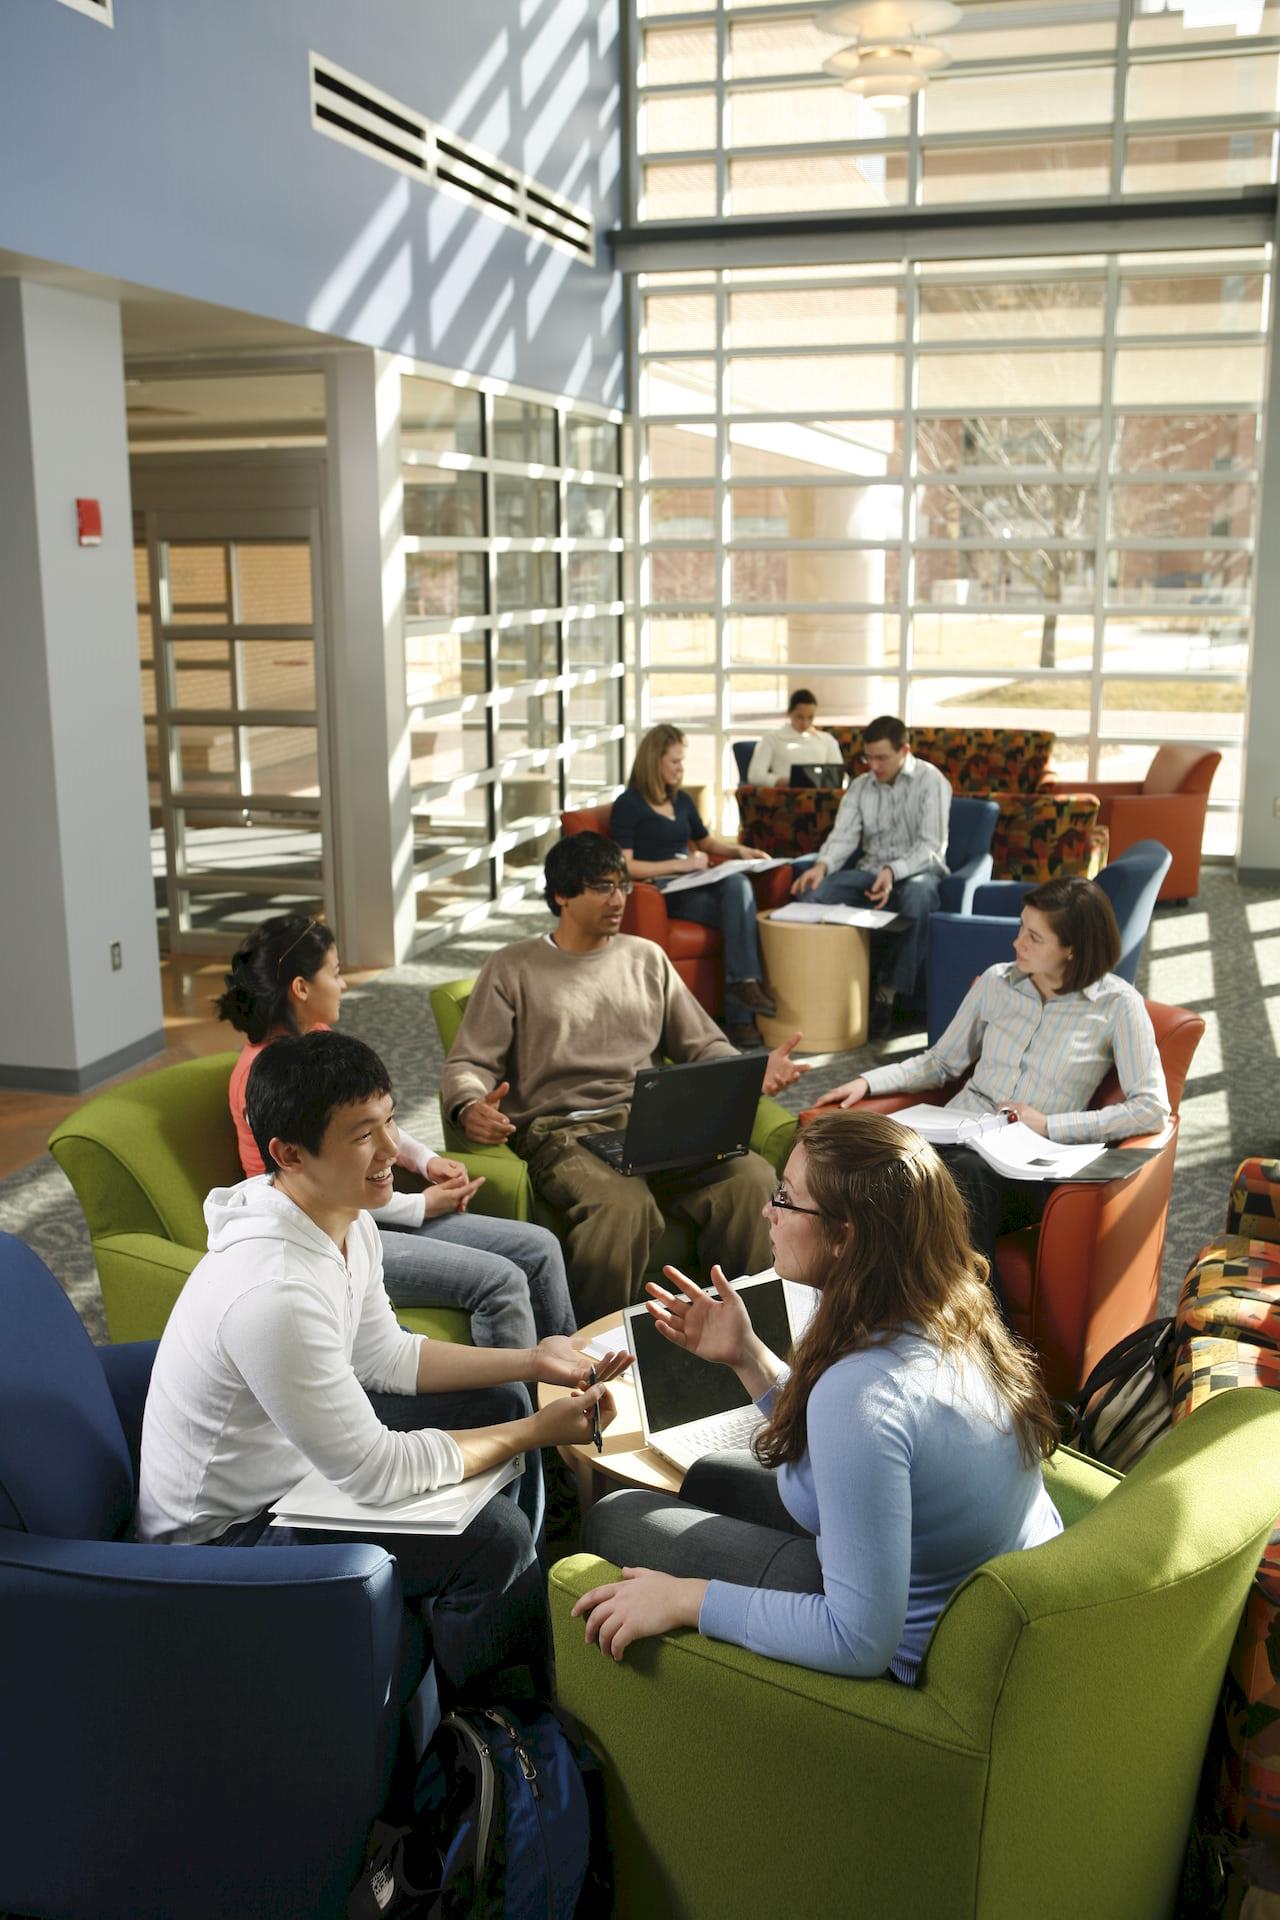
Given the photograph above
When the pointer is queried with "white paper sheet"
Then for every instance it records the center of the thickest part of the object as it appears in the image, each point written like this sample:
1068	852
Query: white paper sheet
316	1502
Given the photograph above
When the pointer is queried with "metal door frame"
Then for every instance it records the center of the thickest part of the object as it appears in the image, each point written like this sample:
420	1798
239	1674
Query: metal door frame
214	524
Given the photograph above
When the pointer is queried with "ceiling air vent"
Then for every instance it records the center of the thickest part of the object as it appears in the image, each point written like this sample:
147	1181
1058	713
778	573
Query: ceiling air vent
361	116
96	9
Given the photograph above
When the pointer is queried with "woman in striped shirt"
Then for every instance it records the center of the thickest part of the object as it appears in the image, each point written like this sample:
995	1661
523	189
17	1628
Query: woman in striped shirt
1040	1033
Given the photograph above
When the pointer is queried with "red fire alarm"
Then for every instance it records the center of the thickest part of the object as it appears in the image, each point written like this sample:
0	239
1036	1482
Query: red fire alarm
89	523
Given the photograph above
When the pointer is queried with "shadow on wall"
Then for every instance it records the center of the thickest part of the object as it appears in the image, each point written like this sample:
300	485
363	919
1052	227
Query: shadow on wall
434	278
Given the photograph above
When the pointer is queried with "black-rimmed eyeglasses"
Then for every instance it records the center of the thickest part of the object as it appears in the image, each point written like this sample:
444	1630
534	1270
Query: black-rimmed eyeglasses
781	1204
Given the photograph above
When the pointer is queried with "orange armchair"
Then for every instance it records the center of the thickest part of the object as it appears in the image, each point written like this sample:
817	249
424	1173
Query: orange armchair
695	951
1089	1272
1169	804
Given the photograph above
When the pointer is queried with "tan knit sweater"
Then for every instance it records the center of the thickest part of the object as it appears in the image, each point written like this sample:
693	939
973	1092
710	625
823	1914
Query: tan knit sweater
572	1030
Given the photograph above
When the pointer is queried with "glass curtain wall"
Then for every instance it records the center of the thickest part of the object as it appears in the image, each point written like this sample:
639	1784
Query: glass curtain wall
1043	102
514	633
989	495
980	492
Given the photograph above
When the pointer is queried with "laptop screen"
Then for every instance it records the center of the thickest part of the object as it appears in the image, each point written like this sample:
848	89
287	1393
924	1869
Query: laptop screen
817	773
677	1386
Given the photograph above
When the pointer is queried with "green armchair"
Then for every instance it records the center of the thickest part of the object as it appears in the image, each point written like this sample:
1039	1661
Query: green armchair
141	1158
771	1136
1046	1764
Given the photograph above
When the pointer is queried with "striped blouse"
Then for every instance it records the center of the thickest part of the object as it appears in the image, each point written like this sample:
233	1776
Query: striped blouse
1052	1054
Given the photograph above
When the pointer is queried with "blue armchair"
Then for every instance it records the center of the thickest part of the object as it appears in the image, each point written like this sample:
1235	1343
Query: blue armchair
971	829
742	752
961	946
193	1731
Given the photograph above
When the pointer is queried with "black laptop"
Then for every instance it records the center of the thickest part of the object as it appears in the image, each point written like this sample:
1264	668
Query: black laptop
686	1116
817	773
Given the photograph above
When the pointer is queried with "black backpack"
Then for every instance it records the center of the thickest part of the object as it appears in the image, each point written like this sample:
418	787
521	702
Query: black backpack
1127	1401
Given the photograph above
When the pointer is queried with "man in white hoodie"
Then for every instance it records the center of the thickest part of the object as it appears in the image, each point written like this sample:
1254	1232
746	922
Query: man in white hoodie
283	1351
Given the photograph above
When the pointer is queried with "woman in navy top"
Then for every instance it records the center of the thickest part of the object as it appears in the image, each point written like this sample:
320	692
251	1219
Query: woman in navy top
900	1450
662	834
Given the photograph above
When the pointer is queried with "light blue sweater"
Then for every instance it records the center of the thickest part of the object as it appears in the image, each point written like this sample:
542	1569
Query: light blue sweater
910	1481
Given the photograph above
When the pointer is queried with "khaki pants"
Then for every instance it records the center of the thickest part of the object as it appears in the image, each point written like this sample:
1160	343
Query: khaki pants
614	1220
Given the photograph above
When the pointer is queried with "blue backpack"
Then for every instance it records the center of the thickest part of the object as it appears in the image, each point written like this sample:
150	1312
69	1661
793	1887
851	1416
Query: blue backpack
508	1825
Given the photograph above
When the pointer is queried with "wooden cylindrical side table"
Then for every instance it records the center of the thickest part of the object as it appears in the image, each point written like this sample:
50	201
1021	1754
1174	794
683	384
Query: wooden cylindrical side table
820	977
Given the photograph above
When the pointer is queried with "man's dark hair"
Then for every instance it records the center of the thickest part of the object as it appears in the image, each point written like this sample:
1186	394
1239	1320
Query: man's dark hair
801	698
1084	919
578	859
886	726
296	1082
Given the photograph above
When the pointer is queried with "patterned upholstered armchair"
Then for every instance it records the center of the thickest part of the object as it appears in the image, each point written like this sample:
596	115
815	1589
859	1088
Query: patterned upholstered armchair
1041	833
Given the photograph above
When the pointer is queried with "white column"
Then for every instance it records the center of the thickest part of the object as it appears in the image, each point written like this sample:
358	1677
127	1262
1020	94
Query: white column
1259	845
369	725
75	844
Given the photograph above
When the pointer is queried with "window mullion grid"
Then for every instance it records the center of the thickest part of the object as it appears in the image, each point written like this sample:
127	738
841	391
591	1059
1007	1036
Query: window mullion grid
1105	432
562	578
493	793
723	560
914	162
721	159
906	565
643	466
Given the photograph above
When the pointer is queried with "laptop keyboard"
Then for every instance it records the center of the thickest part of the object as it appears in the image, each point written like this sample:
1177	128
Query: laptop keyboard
608	1145
723	1431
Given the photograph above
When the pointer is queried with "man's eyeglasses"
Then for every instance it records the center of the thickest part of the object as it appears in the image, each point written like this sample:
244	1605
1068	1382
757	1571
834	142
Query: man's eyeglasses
313	921
603	888
779	1202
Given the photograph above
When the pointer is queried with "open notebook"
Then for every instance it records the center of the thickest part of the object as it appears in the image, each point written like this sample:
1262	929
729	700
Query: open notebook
1016	1151
316	1503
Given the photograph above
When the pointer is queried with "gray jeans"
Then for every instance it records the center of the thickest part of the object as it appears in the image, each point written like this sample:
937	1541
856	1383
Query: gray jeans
507	1274
728	1523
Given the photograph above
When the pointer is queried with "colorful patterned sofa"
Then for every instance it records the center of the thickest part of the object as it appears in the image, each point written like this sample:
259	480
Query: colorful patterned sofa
1228	1335
1039	834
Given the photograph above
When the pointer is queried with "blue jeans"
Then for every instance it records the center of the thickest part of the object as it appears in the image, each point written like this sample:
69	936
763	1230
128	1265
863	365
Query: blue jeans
507	1274
730	906
916	897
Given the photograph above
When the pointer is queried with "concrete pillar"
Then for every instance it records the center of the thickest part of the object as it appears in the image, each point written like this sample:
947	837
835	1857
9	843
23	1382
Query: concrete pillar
369	725
1259	844
75	844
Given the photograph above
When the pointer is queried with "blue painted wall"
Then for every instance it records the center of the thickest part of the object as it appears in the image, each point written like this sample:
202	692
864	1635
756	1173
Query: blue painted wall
176	150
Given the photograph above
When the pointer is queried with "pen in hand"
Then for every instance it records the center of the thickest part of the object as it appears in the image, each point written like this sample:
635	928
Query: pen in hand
596	1435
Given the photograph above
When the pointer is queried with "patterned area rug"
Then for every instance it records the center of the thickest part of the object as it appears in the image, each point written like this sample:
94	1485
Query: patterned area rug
1220	956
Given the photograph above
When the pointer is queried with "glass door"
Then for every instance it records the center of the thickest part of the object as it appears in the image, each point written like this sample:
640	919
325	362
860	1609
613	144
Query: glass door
239	715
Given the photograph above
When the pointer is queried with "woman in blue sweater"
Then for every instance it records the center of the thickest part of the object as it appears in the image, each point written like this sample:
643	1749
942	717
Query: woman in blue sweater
901	1449
662	837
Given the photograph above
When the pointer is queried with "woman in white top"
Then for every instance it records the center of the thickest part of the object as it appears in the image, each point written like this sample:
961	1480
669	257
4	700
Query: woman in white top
800	741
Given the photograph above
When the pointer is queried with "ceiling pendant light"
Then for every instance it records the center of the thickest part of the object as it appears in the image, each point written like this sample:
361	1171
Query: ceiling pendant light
889	58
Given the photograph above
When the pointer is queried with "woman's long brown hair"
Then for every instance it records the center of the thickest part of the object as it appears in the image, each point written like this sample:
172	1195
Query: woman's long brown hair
899	1259
646	768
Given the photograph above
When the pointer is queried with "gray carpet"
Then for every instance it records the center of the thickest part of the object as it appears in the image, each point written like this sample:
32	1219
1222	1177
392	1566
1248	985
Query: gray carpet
1220	956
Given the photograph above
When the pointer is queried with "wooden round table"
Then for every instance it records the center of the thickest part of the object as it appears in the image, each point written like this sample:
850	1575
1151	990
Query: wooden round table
820	977
625	1461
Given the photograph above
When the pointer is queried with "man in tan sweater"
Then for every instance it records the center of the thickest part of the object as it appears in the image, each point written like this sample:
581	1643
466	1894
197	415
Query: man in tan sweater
555	1031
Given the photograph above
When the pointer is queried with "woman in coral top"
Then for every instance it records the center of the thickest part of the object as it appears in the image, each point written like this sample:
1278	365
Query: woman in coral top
508	1275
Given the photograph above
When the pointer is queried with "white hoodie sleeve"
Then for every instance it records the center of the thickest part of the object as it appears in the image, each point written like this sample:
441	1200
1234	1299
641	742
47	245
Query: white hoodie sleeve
287	1344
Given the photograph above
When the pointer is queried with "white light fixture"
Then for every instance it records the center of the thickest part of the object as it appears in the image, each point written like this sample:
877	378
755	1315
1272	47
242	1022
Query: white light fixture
889	59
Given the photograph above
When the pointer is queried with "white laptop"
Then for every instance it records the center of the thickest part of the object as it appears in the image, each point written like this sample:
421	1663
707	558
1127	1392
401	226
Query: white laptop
688	1406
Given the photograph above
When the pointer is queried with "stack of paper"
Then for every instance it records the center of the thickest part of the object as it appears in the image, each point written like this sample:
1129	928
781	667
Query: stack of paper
1016	1151
800	912
316	1502
707	876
